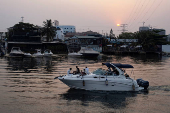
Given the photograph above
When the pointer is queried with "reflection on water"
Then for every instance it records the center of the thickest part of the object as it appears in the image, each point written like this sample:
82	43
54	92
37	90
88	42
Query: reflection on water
109	99
28	85
29	64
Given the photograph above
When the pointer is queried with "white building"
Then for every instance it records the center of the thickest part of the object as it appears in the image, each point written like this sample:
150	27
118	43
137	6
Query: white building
67	28
59	34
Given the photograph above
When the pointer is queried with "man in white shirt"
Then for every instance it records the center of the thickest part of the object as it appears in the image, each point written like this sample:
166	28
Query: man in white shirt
69	71
87	70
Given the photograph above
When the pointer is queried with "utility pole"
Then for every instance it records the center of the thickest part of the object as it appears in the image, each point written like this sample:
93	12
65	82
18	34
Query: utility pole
124	27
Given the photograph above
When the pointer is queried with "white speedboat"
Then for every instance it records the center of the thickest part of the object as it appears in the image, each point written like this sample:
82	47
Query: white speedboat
48	53
115	80
74	54
38	53
15	51
27	55
87	51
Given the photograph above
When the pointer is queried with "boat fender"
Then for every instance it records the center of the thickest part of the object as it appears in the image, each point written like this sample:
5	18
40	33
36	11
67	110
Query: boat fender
133	87
83	83
106	82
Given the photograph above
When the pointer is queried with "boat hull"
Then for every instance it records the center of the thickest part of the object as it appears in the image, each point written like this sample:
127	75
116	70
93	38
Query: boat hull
16	54
47	55
90	54
101	84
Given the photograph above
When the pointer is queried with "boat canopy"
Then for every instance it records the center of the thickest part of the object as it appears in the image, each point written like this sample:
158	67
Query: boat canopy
118	65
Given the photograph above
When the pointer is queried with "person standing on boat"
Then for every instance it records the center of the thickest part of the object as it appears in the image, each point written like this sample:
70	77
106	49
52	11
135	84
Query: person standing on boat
87	70
69	71
78	70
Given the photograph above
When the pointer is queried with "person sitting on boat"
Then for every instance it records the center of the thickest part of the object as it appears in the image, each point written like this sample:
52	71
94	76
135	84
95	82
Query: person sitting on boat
69	71
116	73
87	70
82	73
126	75
109	71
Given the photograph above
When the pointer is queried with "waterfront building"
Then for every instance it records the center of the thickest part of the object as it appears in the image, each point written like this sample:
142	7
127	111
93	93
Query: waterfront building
73	44
28	39
89	33
76	42
67	28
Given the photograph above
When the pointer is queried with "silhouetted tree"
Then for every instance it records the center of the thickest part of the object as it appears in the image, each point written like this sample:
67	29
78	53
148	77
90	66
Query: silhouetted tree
49	30
126	35
150	39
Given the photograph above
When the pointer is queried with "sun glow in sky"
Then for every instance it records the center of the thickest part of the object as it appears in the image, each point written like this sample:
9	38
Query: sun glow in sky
95	15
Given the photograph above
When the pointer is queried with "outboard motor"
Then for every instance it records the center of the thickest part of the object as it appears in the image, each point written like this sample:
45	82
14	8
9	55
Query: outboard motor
143	83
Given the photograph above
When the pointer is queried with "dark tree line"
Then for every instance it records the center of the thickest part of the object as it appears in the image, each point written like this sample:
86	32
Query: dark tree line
48	30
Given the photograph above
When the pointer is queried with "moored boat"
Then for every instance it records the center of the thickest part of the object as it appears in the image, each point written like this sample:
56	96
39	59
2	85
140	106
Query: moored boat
38	53
27	55
15	51
74	54
87	51
48	53
113	79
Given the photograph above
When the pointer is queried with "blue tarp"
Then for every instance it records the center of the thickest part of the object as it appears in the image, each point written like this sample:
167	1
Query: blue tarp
118	65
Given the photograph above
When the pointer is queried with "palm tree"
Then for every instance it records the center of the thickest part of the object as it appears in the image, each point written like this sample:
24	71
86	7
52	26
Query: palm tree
49	30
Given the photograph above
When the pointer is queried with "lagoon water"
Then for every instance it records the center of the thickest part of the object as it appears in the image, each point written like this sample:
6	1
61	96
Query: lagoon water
27	85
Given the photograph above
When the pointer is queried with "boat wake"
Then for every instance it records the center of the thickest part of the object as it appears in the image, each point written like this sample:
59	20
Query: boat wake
163	88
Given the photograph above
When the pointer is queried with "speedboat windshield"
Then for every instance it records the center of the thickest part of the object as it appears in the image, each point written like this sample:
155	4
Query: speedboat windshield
99	71
15	49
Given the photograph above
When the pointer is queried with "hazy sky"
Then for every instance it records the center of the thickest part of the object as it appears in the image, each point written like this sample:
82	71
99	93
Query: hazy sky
95	15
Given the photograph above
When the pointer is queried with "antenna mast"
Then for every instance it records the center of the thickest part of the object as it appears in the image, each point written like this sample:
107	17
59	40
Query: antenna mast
22	19
143	23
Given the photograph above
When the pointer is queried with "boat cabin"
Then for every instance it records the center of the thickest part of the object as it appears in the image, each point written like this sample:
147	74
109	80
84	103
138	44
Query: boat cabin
113	70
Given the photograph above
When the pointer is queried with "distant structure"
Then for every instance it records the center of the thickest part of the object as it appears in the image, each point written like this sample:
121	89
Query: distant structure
67	28
161	31
123	27
56	23
168	38
143	28
2	36
22	19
